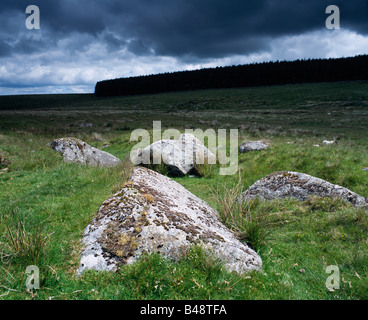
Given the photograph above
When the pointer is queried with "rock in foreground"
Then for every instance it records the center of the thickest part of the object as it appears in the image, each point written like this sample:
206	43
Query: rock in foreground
78	151
301	186
153	213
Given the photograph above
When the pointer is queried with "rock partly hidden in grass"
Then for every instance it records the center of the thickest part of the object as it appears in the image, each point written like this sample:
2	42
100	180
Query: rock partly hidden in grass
153	213
4	161
254	146
78	151
328	142
301	186
180	156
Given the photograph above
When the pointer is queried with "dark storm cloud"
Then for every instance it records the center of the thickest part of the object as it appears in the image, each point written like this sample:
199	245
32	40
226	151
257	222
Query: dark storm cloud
218	28
181	28
84	41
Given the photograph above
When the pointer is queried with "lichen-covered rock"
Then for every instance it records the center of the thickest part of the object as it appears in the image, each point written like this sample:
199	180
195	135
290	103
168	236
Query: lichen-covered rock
78	151
153	213
254	146
180	156
301	186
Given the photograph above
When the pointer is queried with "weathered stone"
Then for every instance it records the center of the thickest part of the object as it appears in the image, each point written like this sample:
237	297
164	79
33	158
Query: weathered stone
180	156
86	125
328	142
4	161
301	186
254	146
153	213
78	151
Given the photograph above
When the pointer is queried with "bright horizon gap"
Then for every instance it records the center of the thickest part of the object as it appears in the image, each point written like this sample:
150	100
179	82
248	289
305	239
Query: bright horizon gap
89	89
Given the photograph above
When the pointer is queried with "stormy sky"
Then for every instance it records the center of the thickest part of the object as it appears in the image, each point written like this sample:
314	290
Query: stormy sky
83	41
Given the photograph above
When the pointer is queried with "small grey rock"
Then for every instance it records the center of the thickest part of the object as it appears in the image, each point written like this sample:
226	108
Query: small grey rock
78	151
329	142
301	186
253	146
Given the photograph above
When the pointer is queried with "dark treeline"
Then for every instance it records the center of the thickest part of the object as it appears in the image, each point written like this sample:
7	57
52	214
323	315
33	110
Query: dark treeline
257	74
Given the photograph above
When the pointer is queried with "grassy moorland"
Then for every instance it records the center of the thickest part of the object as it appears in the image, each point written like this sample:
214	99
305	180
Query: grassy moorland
46	204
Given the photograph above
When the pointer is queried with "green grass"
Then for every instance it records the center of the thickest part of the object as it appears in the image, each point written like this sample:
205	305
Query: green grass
46	204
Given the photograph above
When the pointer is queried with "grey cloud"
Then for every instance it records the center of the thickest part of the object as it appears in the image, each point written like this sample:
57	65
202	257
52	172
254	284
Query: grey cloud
112	40
218	28
139	47
198	28
5	49
125	37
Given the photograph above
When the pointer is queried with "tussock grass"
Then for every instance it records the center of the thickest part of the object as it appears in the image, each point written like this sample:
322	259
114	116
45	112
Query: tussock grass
24	242
24	246
249	220
205	169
